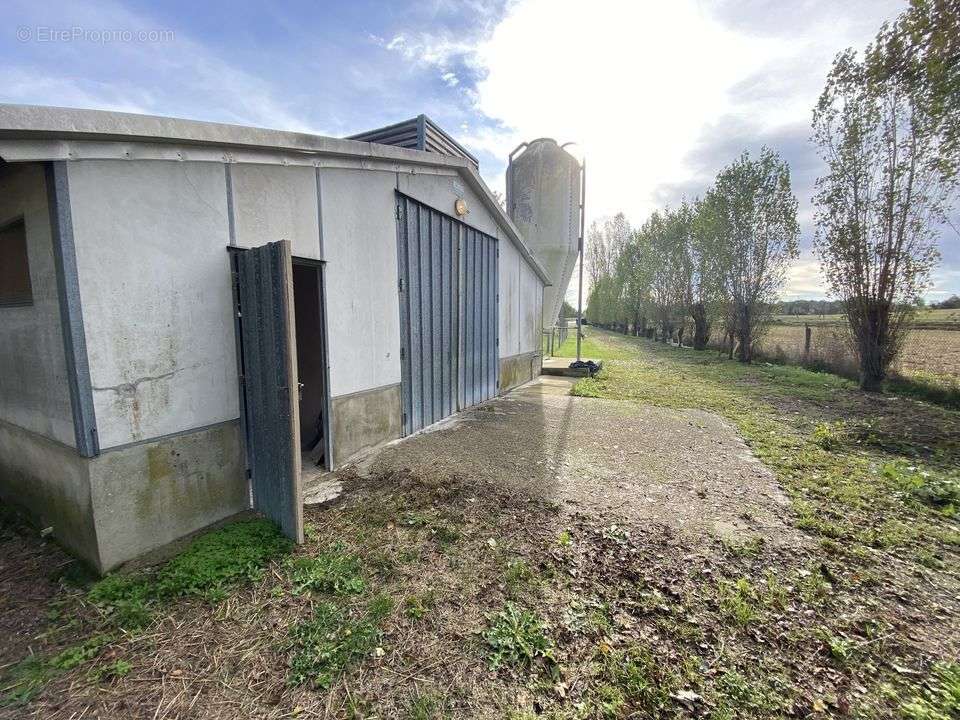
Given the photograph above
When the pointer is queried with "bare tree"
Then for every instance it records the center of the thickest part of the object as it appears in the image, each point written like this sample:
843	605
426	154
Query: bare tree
756	224
884	191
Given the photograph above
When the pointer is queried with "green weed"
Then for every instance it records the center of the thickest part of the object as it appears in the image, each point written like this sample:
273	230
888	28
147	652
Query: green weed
738	601
516	637
331	571
112	670
416	607
830	436
331	640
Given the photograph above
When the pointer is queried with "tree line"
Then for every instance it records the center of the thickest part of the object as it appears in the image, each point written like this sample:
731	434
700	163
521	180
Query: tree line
887	127
711	265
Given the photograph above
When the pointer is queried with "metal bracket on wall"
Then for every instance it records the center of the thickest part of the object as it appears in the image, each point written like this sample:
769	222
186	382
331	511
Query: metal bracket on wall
71	314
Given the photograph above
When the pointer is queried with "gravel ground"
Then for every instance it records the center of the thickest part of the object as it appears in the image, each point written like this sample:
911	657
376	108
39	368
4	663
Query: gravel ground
687	470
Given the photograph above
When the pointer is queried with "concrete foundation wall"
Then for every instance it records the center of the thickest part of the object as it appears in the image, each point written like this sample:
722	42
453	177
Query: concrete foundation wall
51	483
33	377
154	275
519	369
150	494
365	419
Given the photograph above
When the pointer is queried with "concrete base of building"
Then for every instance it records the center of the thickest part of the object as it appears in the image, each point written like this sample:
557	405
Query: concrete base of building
128	501
365	419
518	369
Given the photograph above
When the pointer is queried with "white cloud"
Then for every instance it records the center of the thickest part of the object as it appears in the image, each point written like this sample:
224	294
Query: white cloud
805	280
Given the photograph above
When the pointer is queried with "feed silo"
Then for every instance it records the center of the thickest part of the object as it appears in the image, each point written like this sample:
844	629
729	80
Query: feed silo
544	201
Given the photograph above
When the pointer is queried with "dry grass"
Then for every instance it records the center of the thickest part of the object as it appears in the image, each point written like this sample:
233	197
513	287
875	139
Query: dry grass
930	351
638	620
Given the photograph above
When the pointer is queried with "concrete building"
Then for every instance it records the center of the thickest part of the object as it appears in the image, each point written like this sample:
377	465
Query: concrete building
190	310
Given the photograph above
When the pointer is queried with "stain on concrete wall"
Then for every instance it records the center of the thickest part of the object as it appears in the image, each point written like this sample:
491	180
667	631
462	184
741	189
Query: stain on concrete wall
33	377
365	419
154	275
51	483
147	495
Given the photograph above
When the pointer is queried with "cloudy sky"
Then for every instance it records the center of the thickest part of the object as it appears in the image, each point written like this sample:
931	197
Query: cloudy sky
660	95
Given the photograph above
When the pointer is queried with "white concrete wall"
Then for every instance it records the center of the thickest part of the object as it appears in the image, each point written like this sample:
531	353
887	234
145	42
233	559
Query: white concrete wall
276	202
441	192
509	278
155	284
360	247
154	276
529	309
33	378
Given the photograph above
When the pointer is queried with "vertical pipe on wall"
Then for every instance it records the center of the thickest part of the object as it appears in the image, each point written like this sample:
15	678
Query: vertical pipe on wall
583	203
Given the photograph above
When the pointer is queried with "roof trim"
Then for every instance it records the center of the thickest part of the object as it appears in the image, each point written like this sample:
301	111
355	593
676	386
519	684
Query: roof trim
40	122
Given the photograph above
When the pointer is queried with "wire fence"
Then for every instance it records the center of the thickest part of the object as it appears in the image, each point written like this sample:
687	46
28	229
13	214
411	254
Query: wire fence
553	338
926	351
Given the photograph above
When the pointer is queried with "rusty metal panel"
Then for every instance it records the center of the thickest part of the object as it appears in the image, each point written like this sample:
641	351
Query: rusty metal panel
265	290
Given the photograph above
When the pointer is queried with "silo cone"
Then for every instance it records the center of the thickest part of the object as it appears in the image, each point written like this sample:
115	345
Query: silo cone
543	200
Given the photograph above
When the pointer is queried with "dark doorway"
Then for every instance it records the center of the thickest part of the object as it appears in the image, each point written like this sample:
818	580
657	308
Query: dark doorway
311	367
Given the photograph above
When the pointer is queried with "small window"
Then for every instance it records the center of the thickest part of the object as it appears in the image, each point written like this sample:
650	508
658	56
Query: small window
15	288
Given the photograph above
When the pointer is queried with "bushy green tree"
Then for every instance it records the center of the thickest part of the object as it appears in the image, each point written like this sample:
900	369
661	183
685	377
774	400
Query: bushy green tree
880	128
755	218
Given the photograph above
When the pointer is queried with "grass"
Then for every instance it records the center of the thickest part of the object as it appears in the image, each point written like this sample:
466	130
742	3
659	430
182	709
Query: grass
212	566
324	645
507	606
845	476
331	571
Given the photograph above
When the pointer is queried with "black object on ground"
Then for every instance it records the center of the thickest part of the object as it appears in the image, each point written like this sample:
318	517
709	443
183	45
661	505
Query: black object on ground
590	366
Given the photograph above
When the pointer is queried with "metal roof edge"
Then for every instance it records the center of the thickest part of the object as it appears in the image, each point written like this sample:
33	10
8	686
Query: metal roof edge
47	122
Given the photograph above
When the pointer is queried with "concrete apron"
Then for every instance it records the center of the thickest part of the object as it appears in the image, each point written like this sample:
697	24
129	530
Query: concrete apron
323	487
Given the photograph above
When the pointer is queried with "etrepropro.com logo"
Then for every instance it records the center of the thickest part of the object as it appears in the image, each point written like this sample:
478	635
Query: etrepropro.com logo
99	36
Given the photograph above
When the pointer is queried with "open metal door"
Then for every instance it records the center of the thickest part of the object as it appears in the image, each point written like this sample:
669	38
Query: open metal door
265	295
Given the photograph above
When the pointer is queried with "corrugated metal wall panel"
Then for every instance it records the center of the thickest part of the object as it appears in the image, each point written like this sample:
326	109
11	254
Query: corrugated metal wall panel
265	291
427	255
478	381
448	314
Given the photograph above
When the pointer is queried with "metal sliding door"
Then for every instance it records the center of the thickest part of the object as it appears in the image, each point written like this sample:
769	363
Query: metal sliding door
427	243
479	317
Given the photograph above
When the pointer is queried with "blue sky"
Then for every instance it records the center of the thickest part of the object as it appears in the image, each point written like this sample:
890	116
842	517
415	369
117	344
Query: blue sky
660	95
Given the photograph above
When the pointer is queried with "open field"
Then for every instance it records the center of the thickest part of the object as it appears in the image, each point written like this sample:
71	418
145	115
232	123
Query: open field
684	537
931	319
927	350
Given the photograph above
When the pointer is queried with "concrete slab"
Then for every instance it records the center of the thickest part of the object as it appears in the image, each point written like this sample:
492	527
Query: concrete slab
561	367
620	461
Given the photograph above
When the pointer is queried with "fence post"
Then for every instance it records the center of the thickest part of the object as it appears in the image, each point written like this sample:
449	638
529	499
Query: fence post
807	332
